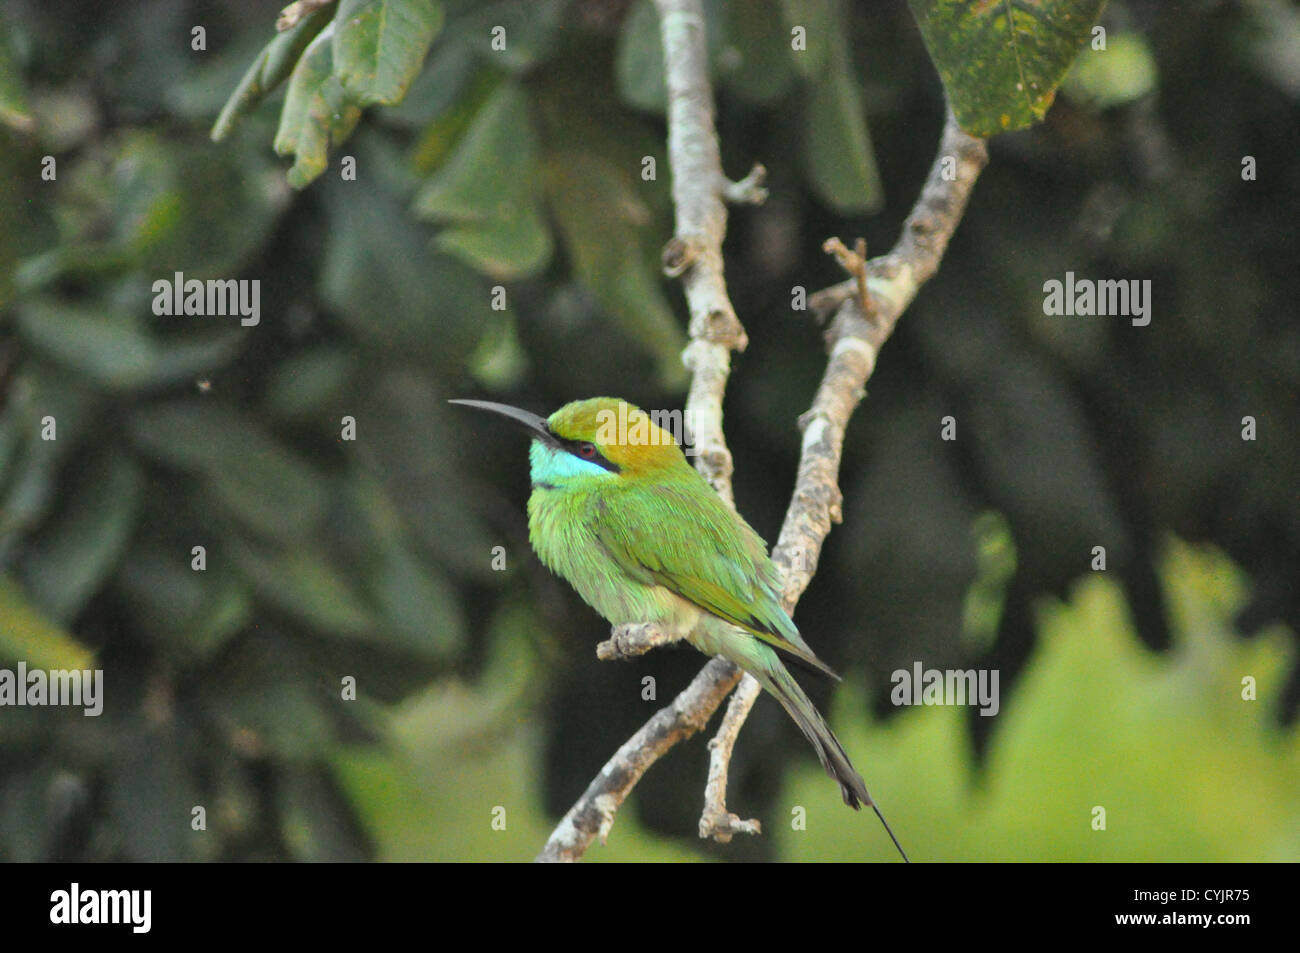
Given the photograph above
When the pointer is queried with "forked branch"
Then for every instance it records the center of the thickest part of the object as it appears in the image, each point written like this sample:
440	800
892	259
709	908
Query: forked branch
867	307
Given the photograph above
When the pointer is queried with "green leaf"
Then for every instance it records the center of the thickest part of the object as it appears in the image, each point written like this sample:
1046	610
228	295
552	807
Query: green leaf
517	245
309	382
491	167
420	608
639	60
14	112
114	350
1001	63
759	44
285	714
26	634
1124	71
388	286
307	586
317	112
67	559
414	449
269	70
258	481
530	30
380	45
837	149
190	614
151	790
820	24
602	223
315	820
488	189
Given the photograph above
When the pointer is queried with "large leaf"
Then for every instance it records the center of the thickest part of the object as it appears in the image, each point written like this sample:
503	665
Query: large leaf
419	606
379	46
1002	62
189	614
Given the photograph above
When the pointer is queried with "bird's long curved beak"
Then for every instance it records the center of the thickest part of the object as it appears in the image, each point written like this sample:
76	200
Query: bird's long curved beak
535	425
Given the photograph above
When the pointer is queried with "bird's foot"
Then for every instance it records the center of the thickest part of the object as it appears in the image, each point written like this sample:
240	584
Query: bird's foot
633	639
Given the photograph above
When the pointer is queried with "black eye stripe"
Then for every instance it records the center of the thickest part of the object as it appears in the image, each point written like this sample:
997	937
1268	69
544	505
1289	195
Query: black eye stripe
576	448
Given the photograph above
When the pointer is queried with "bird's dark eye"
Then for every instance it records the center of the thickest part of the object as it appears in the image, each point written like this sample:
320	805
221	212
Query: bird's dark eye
586	450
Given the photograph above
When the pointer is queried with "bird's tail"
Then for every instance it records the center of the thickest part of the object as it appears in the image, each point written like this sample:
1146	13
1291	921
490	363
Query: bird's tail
773	676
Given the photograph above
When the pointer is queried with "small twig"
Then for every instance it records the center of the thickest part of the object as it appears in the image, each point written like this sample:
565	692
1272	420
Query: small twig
749	190
297	11
855	263
717	822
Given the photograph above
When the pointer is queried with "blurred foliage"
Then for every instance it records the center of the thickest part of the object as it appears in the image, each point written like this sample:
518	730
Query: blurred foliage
522	170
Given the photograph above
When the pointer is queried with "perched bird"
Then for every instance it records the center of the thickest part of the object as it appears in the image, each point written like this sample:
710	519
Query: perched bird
618	512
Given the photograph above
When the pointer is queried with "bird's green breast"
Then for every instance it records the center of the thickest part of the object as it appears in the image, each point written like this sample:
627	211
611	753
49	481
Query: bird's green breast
564	529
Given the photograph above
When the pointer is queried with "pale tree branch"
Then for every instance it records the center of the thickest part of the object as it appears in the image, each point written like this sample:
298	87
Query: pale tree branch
867	307
716	821
695	254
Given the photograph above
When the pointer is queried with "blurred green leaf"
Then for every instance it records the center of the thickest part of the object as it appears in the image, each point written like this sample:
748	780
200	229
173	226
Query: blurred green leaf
639	60
26	634
114	348
380	45
418	605
151	792
14	111
315	820
256	479
190	614
68	558
509	34
758	40
1124	71
1001	62
602	223
284	715
412	448
819	24
307	586
838	152
270	69
488	190
516	245
393	291
309	382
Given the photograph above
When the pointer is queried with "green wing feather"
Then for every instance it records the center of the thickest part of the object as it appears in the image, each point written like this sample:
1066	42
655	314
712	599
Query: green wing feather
680	535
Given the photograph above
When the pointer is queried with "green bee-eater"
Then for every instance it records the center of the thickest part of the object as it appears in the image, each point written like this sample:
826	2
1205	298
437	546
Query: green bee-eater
618	511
